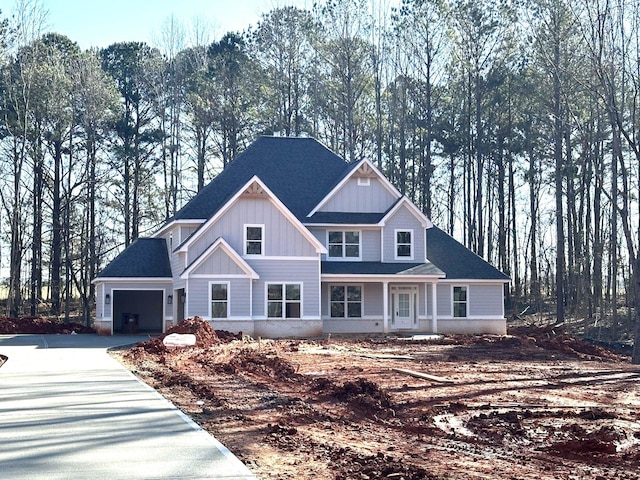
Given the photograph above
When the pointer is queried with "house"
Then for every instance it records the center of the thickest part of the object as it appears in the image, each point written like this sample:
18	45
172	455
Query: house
291	240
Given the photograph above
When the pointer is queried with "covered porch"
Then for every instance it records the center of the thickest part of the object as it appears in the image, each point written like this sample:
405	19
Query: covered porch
380	298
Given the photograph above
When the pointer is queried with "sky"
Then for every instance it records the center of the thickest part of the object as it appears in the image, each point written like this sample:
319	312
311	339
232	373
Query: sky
99	23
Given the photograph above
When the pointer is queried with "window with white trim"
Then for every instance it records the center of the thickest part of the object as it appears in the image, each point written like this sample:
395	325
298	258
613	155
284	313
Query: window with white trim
344	244
460	301
346	301
219	300
254	239
284	300
404	244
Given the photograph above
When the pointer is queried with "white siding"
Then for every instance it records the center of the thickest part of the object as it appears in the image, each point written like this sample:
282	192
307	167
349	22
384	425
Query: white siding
354	198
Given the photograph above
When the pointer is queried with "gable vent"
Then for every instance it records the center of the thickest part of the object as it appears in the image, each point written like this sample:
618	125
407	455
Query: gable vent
254	190
365	171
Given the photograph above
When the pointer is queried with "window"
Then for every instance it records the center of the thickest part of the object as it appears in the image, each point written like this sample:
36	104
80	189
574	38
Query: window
404	248
284	300
344	244
364	181
254	239
346	301
459	301
219	300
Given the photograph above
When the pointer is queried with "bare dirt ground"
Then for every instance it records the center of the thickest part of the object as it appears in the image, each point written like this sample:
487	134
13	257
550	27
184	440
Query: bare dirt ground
537	404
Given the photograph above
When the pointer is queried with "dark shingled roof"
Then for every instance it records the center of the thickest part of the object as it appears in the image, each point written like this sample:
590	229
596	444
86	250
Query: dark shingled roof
379	268
345	218
299	171
144	258
456	260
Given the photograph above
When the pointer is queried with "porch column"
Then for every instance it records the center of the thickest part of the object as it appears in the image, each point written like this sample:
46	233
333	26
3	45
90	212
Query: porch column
434	307
385	307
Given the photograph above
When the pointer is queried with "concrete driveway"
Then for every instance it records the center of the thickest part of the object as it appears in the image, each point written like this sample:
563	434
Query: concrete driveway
70	411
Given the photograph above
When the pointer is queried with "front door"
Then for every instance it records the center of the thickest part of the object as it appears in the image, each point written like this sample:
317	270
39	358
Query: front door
403	302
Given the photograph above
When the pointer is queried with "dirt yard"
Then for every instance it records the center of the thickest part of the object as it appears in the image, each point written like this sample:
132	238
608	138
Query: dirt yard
536	404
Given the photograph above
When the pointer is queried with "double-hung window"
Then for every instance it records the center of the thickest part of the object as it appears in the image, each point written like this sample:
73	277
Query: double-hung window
460	301
254	239
344	244
404	244
284	300
219	300
346	301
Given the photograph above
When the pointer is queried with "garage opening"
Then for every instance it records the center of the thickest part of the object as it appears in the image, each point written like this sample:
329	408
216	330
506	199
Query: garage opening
138	311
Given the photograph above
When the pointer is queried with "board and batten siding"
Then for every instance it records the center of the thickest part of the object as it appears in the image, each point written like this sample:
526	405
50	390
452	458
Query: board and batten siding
199	297
282	238
374	198
218	263
306	272
485	300
403	219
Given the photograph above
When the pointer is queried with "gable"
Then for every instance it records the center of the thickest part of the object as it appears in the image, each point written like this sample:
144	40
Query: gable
363	188
220	259
218	263
255	204
356	196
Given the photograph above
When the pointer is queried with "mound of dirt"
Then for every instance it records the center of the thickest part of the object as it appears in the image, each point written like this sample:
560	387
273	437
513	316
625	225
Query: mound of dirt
260	363
552	337
41	326
362	394
205	335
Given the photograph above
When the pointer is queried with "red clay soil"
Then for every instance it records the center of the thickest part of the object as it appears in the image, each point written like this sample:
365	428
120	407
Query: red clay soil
535	405
40	326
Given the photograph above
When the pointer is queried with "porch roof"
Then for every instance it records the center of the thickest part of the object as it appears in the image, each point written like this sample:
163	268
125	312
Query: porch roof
380	268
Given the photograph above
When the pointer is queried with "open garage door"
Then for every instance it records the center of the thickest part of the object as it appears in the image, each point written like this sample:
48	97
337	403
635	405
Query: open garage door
138	311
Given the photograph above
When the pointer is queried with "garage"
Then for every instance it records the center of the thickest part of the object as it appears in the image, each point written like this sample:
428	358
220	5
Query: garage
138	311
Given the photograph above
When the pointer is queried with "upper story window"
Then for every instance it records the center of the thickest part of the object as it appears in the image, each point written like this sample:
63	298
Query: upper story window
254	239
404	244
460	301
364	181
344	244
